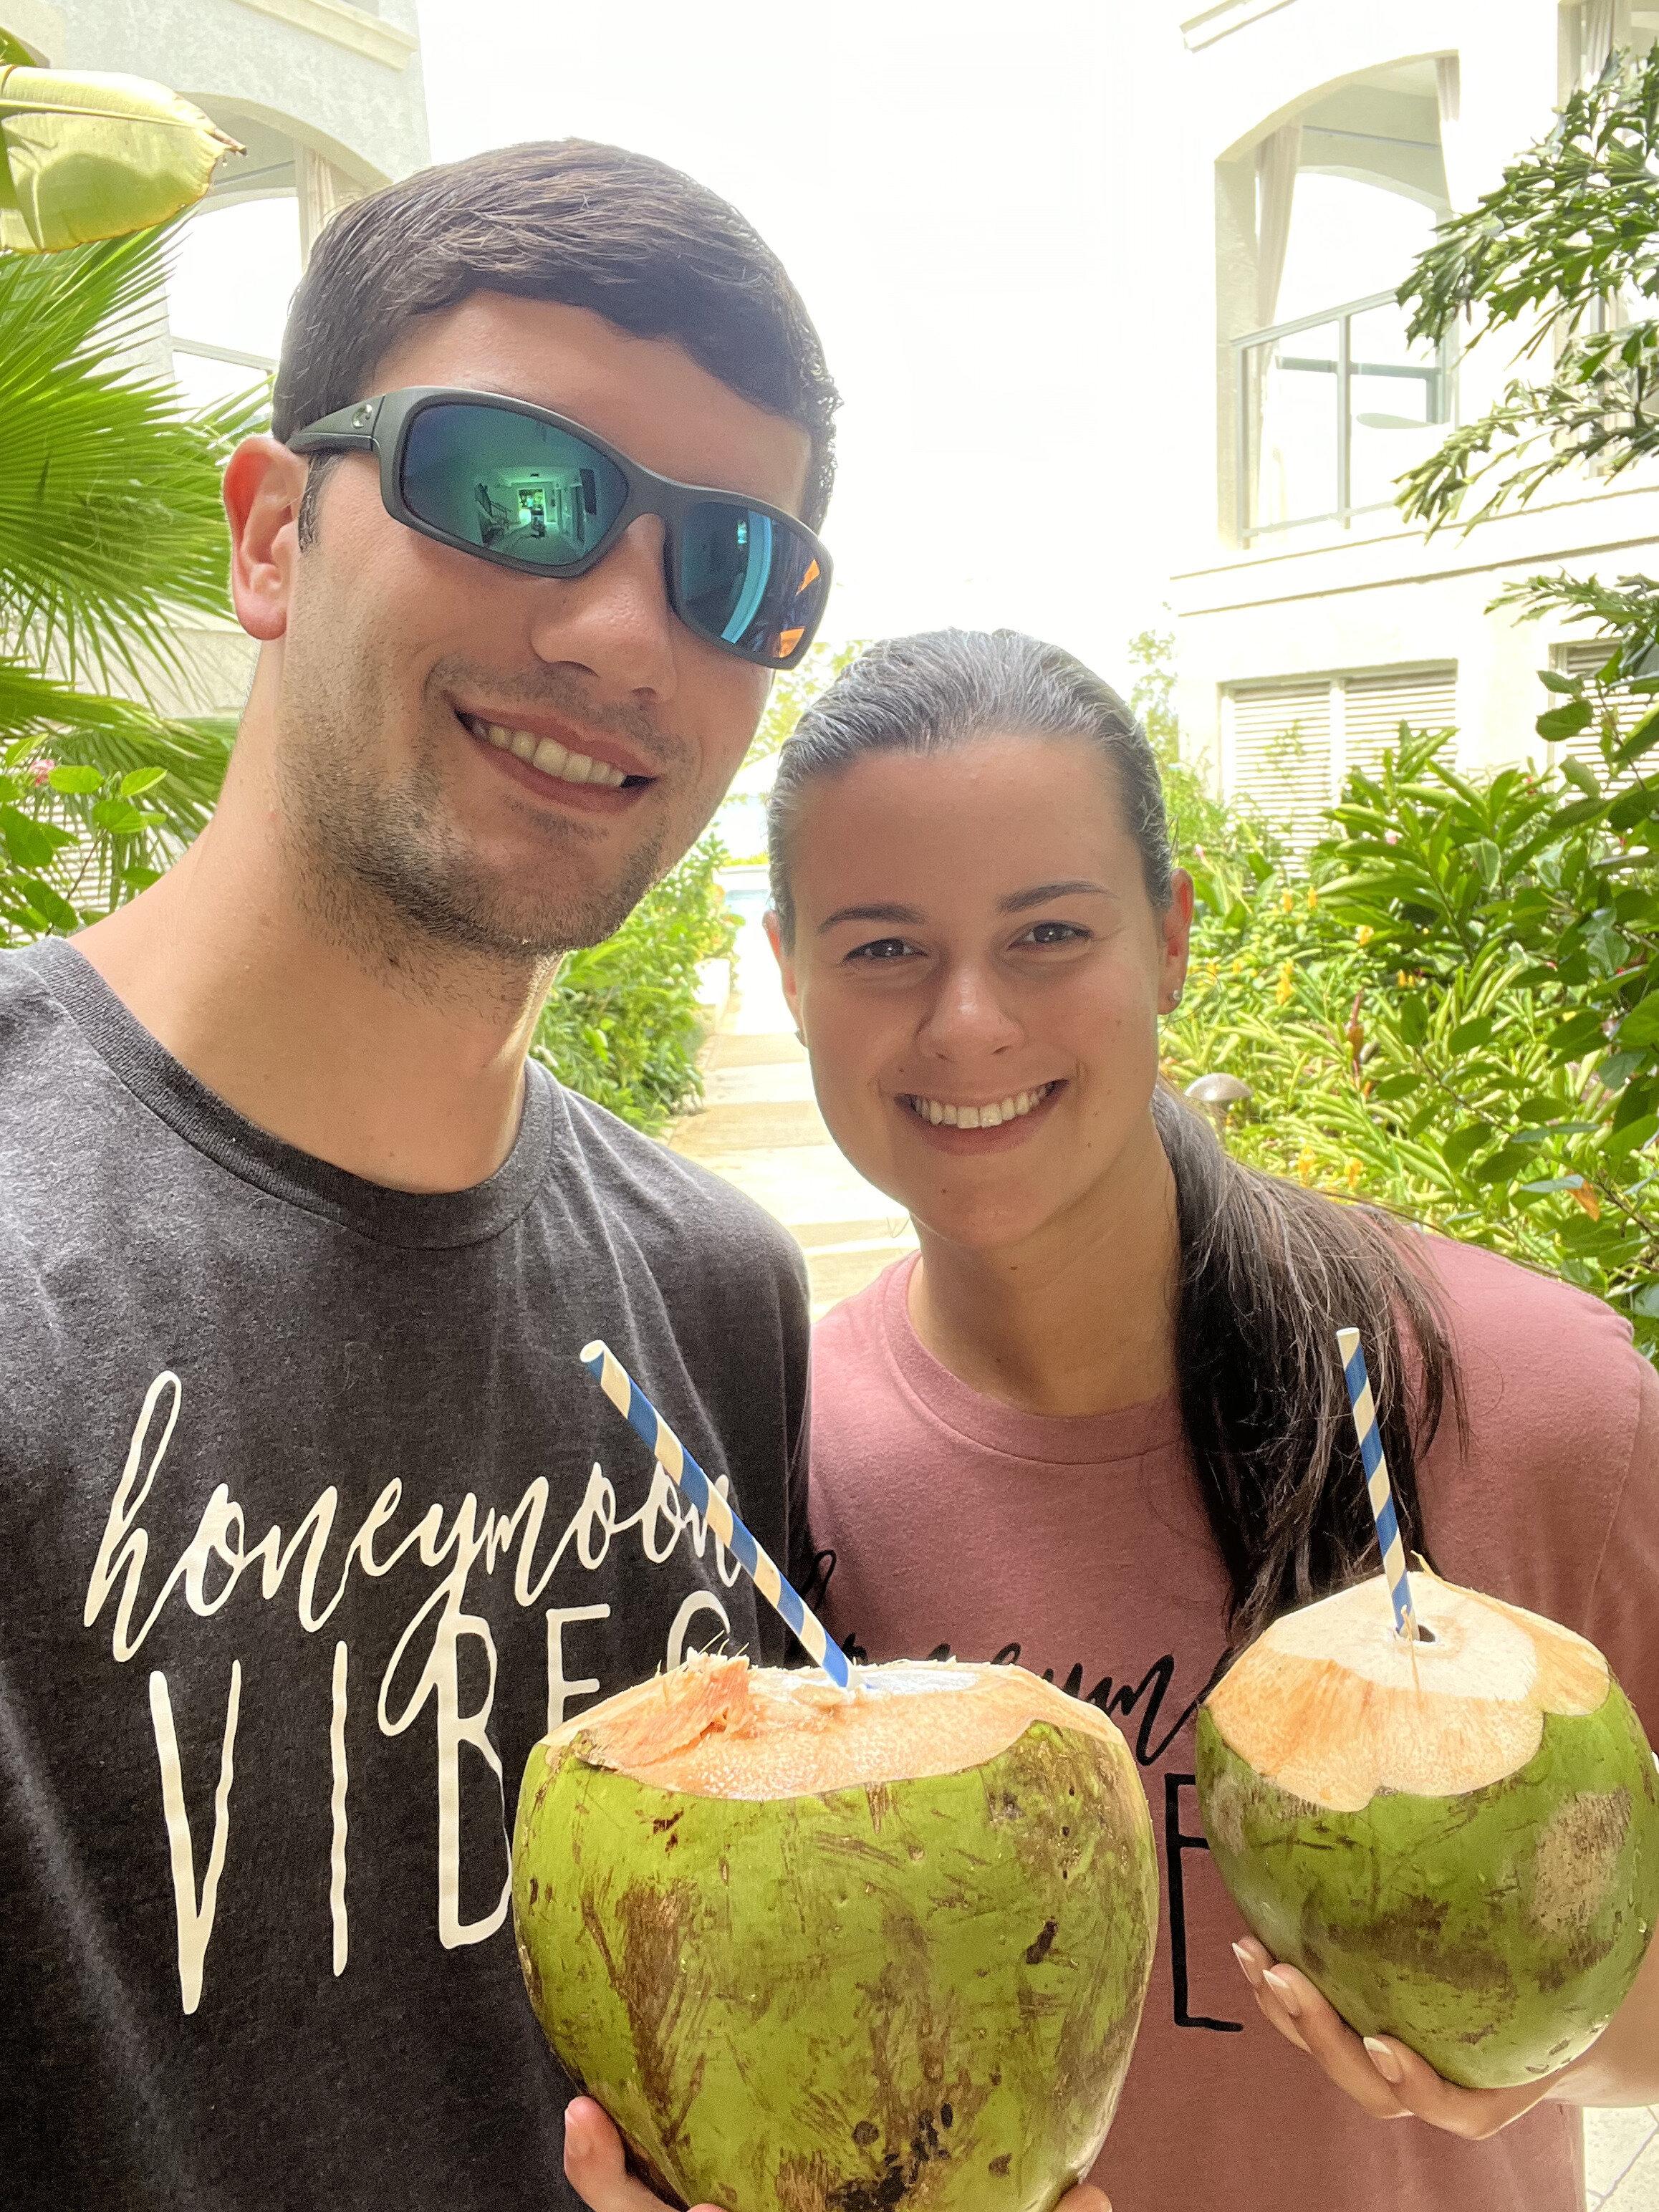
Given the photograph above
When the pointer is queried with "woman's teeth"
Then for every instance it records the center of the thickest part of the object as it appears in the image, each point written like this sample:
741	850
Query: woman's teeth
979	1117
546	753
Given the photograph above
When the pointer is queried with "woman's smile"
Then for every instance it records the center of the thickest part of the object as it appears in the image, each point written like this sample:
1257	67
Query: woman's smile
990	1125
976	957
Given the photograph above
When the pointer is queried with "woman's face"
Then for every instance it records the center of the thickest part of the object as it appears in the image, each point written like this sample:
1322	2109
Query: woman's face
977	971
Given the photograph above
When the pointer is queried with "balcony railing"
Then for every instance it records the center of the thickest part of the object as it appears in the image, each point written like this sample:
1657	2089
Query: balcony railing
1332	409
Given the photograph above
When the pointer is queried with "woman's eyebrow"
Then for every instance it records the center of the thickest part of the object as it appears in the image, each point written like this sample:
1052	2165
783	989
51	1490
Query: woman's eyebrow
910	914
1040	893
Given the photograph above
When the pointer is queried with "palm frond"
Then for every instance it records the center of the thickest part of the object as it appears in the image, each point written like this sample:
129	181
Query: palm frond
116	735
110	518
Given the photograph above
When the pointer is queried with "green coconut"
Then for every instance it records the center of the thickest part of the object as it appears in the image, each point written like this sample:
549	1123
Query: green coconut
1456	1840
842	1951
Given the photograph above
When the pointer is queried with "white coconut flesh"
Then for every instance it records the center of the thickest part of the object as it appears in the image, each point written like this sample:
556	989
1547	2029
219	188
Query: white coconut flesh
1333	1706
718	1728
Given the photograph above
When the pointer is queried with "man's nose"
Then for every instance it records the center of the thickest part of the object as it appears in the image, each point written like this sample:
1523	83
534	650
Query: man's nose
968	1016
616	621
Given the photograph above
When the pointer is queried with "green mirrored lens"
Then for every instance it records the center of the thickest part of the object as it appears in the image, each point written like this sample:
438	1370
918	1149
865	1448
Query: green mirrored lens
508	483
749	580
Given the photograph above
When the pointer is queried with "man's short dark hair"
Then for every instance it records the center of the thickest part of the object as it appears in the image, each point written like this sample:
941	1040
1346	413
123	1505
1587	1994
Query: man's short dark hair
588	226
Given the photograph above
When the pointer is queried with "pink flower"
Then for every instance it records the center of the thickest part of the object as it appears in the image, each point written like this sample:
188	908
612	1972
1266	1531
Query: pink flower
41	770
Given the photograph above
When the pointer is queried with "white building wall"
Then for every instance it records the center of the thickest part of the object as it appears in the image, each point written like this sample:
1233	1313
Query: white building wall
345	79
1370	594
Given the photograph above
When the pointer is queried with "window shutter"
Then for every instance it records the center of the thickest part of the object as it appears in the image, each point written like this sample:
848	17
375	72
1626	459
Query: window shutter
1281	756
1583	658
1424	698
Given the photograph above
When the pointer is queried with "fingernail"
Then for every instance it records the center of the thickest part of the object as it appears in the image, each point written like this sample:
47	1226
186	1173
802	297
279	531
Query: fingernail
1282	1990
1246	1965
575	2124
1384	2061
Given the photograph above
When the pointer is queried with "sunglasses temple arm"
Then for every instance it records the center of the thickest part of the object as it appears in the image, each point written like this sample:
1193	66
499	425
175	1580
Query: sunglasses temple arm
348	430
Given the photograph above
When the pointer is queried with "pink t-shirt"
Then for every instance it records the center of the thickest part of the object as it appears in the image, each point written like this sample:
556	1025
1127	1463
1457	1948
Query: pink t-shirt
1079	1548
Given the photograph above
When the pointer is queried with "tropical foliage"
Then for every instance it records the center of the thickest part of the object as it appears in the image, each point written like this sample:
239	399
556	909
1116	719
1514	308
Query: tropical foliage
1565	250
88	157
1454	1009
622	1025
795	688
111	531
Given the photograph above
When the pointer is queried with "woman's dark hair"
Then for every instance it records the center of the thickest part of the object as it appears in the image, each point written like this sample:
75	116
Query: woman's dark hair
584	225
1268	1270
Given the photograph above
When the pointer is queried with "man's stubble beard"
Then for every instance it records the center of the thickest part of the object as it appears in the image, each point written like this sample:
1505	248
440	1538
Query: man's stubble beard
385	873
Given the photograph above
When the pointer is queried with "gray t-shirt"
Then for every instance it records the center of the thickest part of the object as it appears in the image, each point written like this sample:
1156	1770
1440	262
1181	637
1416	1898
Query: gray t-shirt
310	1525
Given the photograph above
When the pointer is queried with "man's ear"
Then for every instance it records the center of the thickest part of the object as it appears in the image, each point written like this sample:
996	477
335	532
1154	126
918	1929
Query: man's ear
264	486
785	960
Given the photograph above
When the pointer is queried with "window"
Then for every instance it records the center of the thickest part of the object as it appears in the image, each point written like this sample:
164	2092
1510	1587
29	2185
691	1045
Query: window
1286	747
1331	411
232	273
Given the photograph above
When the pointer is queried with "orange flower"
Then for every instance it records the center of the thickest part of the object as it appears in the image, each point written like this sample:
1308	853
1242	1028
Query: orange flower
1586	1197
1364	934
1355	1171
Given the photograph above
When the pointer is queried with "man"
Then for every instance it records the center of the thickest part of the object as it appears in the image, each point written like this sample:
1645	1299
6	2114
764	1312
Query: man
311	1522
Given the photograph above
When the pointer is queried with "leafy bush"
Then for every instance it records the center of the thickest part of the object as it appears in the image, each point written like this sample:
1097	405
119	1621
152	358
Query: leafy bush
111	528
621	1025
1456	1011
1561	249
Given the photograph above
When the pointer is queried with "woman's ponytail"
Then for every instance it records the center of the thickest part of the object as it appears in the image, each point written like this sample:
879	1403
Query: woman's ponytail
1268	1273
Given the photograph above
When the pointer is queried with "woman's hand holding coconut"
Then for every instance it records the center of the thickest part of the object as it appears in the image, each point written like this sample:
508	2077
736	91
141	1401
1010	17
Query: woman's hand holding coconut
1386	2078
595	2168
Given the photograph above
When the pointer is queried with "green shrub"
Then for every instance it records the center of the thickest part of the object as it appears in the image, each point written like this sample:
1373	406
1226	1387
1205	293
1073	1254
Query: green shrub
1455	1009
621	1025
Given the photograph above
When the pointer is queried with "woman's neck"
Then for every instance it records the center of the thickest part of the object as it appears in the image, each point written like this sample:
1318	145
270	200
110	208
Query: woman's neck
1078	1319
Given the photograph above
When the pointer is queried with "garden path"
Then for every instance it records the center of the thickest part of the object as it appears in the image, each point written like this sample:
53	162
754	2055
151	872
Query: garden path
760	1128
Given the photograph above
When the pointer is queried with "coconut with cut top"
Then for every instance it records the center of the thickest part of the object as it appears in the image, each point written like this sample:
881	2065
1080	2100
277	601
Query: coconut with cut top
1456	1839
838	1951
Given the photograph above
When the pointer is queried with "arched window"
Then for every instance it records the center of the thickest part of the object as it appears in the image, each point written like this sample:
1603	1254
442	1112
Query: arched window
1331	404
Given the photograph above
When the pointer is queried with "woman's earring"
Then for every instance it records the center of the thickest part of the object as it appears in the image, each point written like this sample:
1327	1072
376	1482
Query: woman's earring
1175	990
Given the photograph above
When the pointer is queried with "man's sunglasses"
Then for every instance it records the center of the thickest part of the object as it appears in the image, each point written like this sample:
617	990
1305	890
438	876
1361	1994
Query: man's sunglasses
517	485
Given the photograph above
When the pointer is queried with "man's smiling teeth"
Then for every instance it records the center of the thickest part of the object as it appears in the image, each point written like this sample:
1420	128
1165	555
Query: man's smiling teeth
979	1117
547	754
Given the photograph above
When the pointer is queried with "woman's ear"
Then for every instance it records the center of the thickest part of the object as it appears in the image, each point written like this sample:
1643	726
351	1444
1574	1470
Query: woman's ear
786	959
1175	928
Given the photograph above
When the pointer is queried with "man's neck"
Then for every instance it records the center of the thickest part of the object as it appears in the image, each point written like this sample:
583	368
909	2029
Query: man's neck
398	1060
1080	1319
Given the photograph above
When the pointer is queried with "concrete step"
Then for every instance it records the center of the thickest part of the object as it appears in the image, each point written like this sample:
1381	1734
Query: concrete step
740	1049
750	1124
776	1080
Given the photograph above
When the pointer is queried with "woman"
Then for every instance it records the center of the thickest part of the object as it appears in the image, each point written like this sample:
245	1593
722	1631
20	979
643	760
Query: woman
1097	1423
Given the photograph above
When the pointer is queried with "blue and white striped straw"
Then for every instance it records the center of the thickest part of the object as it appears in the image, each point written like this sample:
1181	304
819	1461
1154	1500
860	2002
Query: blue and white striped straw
1376	1482
671	1457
